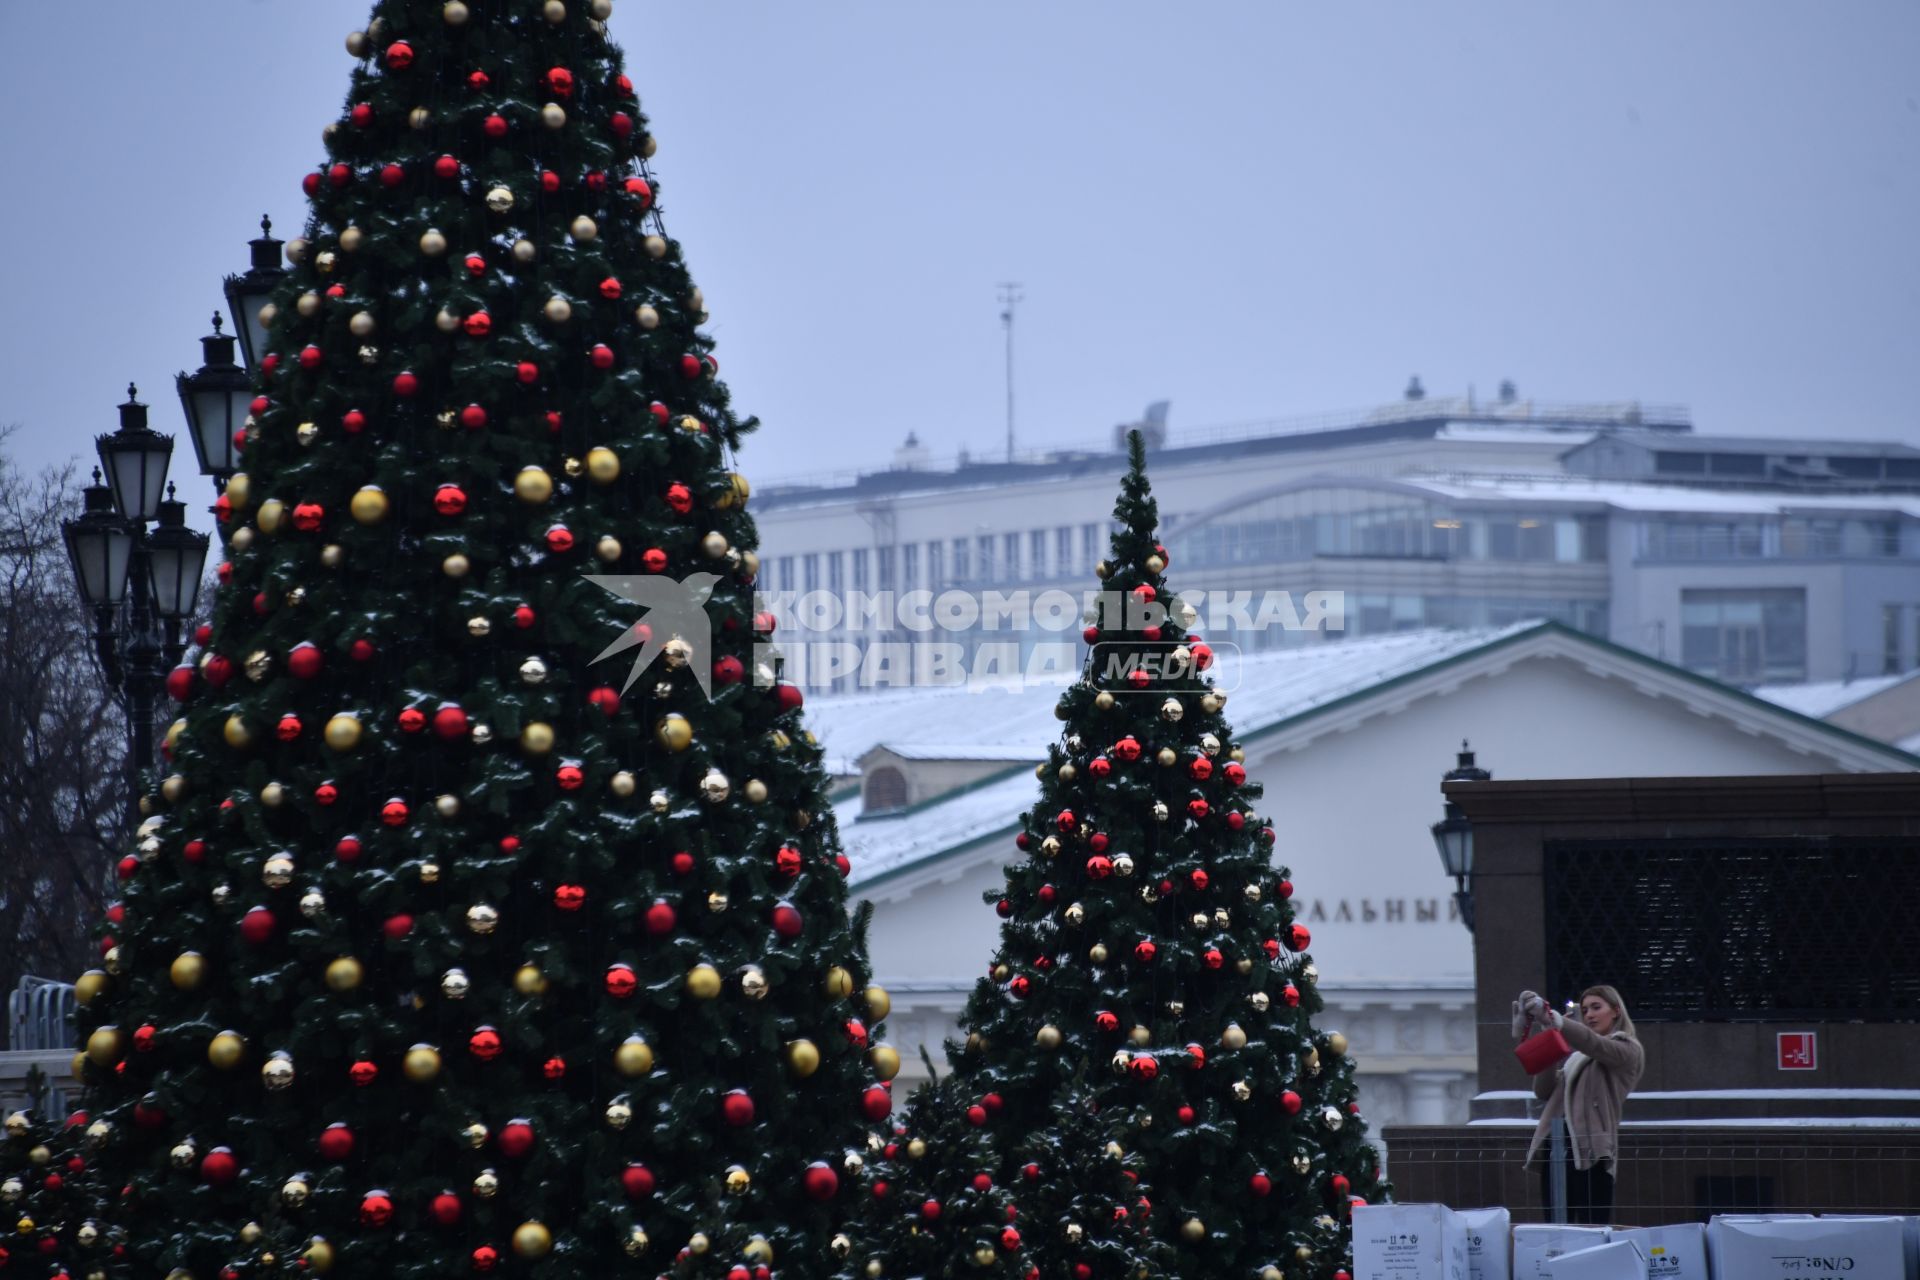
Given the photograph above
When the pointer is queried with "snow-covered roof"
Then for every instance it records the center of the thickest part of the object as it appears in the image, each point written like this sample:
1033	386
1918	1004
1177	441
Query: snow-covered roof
1018	724
1516	433
1823	698
1685	499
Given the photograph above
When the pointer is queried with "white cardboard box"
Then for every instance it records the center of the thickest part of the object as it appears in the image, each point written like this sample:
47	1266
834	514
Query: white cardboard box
1807	1248
1911	1233
1408	1242
1489	1243
1535	1245
1678	1252
1615	1260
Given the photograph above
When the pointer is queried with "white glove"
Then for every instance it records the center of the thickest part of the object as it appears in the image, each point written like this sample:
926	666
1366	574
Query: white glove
1519	1022
1536	1008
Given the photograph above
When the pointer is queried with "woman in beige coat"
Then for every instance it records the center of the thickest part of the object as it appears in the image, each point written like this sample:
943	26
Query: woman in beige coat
1590	1088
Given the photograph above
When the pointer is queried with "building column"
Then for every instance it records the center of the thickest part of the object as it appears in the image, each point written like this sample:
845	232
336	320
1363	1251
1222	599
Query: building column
1427	1096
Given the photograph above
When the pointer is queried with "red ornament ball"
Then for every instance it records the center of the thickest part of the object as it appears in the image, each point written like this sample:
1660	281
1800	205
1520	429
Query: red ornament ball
527	372
477	325
729	670
787	861
180	682
601	357
1299	937
485	1044
406	383
1260	1184
637	1181
516	1139
288	730
570	897
363	1073
376	1209
523	616
789	697
621	981
450	722
1290	1102
336	1142
876	1102
257	925
445	1208
569	777
820	1181
305	660
219	1167
1145	1067
347	848
661	915
411	720
605	699
399	56
736	1108
397	926
559	539
473	417
930	1209
654	560
787	921
495	126
1144	951
485	1258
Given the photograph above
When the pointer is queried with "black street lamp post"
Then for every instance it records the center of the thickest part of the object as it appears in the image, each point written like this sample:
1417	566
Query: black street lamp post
216	399
1453	835
249	294
141	587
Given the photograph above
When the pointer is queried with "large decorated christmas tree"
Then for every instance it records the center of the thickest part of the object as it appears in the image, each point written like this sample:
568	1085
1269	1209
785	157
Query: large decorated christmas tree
1149	948
490	915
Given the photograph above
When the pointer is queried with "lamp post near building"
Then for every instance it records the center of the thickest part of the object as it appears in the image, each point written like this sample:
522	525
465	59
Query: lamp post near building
1453	835
141	585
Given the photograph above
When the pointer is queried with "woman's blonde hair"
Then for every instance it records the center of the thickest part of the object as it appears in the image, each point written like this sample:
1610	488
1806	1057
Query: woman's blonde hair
1622	1022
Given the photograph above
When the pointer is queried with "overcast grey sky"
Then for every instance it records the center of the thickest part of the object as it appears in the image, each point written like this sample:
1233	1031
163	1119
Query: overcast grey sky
1254	209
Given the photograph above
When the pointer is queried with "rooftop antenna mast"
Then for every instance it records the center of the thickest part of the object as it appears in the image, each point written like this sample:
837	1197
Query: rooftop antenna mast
1010	297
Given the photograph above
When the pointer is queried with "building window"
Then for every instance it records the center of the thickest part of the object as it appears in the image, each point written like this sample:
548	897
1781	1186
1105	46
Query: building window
783	574
936	568
962	570
1890	636
910	565
1063	550
1089	545
859	568
886	789
1037	554
983	545
1745	637
810	565
1010	546
886	568
836	571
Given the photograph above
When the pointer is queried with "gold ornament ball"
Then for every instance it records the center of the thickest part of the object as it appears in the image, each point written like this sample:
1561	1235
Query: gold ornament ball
1075	914
1103	700
838	983
239	490
879	1003
532	1240
319	1256
607	548
717	902
1048	1037
603	465
500	199
369	505
432	243
885	1060
755	791
623	784
714	545
841	1244
1233	1037
1303	1253
453	13
656	246
313	904
537	738
738	1180
183	1154
1097	953
268	517
226	1050
584	229
294	1192
454	984
529	981
1242	1091
456	566
753	982
533	484
554	116
236	733
89	986
1336	1044
1193	1231
482	918
103	1046
277	873
619	1115
486	1184
673	732
634	1057
343	732
421	1064
646	316
703	982
714	787
1167	757
1270	1273
637	1242
189	968
660	802
273	795
983	1255
351	239
559	310
344	974
525	251
803	1058
332	556
650	146
555	11
308	303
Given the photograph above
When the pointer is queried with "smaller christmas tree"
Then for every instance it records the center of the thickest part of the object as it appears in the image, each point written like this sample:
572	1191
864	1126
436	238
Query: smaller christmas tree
1082	1199
47	1193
